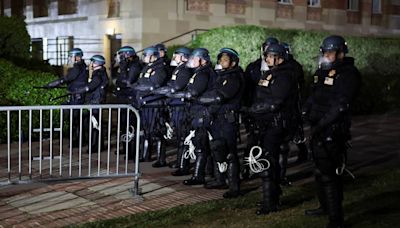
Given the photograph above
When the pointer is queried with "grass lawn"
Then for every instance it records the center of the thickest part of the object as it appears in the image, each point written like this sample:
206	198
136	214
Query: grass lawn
372	200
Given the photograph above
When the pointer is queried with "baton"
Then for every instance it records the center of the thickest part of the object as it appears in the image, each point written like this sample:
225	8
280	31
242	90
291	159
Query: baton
59	97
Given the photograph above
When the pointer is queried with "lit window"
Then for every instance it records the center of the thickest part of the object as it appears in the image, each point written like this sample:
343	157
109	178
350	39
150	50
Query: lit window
314	3
376	6
352	5
285	1
113	8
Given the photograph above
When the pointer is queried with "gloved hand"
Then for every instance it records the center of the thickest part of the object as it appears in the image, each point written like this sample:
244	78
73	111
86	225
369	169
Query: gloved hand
162	90
209	99
123	65
260	108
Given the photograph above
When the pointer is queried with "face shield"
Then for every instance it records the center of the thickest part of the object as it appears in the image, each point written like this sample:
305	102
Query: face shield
326	60
176	59
264	65
271	60
193	62
146	58
72	59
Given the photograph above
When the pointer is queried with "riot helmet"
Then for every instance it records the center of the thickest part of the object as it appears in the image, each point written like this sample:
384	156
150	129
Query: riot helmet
275	54
150	54
180	56
162	49
127	51
270	40
199	57
74	55
98	60
227	58
332	50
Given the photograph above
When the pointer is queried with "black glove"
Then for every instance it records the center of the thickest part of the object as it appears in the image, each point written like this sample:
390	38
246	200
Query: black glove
123	65
209	99
162	90
260	108
180	94
55	83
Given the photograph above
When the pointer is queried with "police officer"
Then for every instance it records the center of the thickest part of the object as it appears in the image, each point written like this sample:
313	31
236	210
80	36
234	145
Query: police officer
336	83
76	77
163	55
178	82
253	73
271	110
224	102
96	90
129	70
153	76
201	81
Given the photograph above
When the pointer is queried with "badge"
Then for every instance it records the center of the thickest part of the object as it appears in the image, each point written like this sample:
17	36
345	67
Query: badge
147	75
264	83
173	78
315	78
328	81
332	73
224	83
149	70
269	77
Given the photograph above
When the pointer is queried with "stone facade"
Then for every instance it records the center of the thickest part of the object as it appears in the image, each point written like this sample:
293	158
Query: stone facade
95	25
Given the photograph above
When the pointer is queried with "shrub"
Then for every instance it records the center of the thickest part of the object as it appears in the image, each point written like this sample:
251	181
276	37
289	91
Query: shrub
376	58
14	38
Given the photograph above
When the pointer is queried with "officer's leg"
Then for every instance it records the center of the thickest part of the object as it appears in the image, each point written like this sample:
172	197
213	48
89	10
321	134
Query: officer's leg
252	140
303	152
218	150
183	168
95	132
176	118
147	142
233	176
200	143
283	160
159	128
161	153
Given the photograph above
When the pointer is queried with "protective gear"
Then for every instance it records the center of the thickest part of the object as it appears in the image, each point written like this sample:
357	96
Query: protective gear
287	47
149	52
264	66
210	98
267	42
233	55
161	150
199	169
161	47
334	43
183	51
55	83
75	52
197	54
98	60
217	67
277	50
127	51
259	108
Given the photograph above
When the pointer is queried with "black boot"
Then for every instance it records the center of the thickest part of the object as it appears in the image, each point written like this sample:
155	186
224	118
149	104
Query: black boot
303	153
199	170
233	179
283	160
161	155
270	197
321	210
219	181
183	168
334	205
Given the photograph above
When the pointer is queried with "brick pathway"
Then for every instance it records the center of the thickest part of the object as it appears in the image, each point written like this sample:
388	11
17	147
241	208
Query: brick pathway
376	145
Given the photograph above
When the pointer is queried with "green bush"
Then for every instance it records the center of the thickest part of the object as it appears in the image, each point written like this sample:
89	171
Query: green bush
376	58
16	89
14	38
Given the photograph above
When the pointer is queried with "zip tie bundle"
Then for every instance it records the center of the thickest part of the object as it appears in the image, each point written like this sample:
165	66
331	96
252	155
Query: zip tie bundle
95	124
170	131
222	167
256	165
188	142
340	170
210	136
130	136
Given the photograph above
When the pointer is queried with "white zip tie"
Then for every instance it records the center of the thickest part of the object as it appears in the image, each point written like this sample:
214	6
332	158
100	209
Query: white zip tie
130	136
210	136
222	167
170	131
256	165
340	170
188	141
95	124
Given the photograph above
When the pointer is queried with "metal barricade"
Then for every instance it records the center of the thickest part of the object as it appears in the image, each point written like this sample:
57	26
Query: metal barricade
43	149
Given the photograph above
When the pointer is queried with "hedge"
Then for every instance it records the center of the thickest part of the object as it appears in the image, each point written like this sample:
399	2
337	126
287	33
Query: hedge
16	89
376	58
14	38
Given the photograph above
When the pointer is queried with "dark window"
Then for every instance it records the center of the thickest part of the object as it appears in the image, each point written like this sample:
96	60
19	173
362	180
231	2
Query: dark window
40	8
64	44
67	7
37	48
113	8
236	6
353	5
198	5
17	8
376	7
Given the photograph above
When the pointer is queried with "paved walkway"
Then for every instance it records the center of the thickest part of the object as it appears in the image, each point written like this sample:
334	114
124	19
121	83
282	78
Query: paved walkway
376	145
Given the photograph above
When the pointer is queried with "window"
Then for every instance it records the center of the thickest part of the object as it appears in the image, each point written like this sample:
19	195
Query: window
352	5
67	7
198	5
285	1
235	6
63	45
17	8
314	3
113	8
40	8
37	48
376	6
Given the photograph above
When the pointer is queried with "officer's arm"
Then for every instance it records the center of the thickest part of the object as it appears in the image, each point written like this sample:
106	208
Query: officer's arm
159	78
96	82
212	97
281	90
230	88
183	79
55	83
199	85
133	74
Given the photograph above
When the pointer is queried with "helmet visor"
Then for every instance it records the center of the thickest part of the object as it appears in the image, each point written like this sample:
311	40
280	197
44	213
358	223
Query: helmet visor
193	62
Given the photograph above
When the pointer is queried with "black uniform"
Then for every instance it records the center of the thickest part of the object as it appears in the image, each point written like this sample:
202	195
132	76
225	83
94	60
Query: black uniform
201	81
272	111
328	110
153	75
225	99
